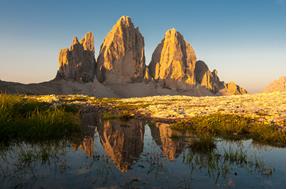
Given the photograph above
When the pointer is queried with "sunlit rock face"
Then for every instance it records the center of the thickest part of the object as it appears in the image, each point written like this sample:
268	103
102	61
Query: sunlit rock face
211	81
174	66
206	78
232	89
163	137
122	141
173	62
78	62
121	58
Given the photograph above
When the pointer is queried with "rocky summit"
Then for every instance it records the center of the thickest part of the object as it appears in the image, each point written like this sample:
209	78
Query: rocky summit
174	66
206	78
122	58
78	62
173	62
120	69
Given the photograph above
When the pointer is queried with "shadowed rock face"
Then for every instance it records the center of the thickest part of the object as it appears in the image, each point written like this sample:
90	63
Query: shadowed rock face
121	58
173	62
122	141
206	78
78	62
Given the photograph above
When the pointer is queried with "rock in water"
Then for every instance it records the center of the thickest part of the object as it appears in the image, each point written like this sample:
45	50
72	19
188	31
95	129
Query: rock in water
277	85
173	62
78	62
121	58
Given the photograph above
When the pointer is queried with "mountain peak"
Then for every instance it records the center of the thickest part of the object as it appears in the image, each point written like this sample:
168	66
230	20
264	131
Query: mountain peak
124	21
78	63
173	33
121	58
75	41
88	41
173	62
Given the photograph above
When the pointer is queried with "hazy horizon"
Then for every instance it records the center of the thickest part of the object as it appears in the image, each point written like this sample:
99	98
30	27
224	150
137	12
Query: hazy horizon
244	40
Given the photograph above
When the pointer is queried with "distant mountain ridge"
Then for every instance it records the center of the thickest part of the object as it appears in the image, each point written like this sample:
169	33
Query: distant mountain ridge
277	85
121	67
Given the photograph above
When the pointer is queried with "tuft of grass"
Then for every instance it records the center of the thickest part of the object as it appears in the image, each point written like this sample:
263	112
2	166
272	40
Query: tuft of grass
234	127
22	118
237	156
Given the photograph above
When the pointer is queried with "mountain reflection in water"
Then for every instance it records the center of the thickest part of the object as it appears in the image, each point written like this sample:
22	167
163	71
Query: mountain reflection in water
137	154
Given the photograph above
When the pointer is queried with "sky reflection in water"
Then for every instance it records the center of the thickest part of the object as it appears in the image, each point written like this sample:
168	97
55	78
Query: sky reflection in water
135	154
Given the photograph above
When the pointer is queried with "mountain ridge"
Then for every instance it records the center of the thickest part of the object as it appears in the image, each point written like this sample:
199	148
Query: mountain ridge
120	68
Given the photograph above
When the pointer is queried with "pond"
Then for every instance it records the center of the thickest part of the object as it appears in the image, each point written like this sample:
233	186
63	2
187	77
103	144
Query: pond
139	154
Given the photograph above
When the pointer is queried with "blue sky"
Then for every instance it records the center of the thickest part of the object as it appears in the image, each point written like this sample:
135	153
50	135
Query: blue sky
243	39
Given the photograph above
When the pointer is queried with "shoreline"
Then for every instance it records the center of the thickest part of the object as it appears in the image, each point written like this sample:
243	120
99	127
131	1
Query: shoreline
258	116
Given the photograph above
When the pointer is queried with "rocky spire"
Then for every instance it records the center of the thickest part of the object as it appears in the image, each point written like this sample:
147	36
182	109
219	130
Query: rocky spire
121	58
211	81
78	62
206	78
173	62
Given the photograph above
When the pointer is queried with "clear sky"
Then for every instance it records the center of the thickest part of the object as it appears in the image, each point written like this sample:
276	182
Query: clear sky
243	39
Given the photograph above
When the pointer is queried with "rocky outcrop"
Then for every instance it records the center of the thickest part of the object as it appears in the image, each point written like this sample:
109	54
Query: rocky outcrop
121	58
232	89
174	66
206	78
277	85
78	62
173	62
120	69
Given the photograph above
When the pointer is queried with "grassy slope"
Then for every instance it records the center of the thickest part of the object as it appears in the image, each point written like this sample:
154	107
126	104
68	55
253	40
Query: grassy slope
29	119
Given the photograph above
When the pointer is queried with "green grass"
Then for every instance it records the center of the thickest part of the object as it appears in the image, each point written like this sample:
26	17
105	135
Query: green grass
22	118
234	127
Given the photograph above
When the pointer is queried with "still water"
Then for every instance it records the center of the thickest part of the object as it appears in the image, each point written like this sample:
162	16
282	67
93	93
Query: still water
137	154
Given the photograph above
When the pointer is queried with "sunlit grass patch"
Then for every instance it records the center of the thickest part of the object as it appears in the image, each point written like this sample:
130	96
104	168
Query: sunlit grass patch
233	127
29	119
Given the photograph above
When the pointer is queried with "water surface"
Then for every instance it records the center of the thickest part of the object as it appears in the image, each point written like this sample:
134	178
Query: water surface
138	154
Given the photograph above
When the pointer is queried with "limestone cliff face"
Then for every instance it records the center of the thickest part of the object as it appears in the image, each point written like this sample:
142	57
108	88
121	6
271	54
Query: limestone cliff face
174	66
173	62
206	78
277	85
121	58
78	62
